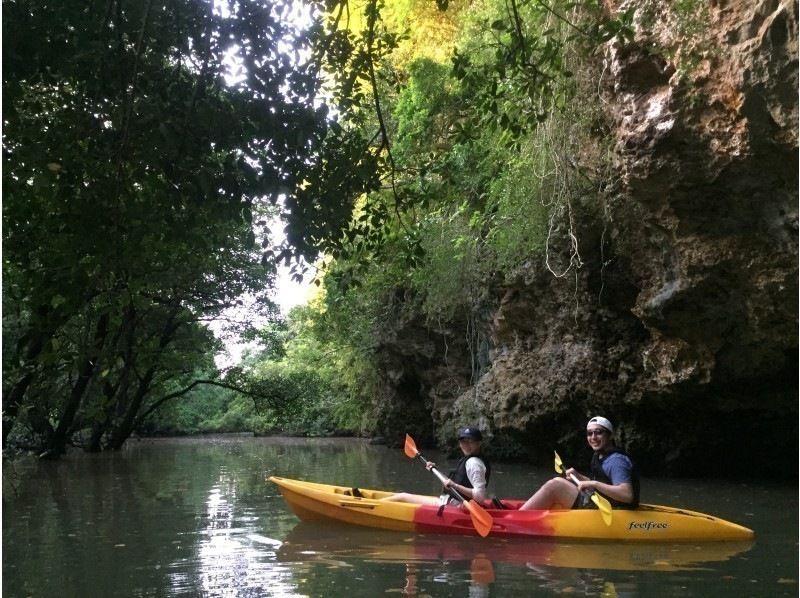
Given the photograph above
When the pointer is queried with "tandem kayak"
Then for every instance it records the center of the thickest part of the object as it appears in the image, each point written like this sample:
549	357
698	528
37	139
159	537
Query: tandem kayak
312	501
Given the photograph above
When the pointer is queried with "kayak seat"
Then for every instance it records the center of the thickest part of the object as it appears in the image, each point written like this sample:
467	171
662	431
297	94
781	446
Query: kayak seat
498	504
354	492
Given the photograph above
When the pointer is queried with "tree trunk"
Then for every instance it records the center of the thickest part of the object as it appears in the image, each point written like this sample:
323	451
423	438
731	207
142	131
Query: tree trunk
115	392
12	402
123	429
58	442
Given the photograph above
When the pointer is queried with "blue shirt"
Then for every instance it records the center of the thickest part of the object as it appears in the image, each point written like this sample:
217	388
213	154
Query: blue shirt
618	468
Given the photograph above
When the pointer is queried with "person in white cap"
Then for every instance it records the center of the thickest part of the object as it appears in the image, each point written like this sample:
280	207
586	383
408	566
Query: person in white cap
613	475
468	478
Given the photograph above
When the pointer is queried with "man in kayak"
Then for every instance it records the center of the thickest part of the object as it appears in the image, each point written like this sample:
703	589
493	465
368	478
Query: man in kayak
468	478
613	475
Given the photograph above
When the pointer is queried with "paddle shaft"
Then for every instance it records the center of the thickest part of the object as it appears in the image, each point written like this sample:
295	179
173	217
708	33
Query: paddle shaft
576	481
574	478
561	469
601	501
443	479
595	495
480	518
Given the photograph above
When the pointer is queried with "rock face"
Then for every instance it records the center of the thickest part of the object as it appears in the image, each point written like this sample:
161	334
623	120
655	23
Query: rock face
681	325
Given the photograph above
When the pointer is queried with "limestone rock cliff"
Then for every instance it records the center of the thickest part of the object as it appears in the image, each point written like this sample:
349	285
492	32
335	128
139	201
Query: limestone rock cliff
681	325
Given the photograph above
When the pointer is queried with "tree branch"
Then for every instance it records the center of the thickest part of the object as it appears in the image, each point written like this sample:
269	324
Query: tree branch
189	388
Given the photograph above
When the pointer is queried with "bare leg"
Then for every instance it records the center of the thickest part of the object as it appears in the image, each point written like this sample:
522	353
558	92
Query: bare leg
556	493
417	499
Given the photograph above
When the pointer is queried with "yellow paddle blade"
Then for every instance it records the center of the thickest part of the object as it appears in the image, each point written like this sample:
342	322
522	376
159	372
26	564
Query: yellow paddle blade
559	465
604	506
480	518
410	448
609	590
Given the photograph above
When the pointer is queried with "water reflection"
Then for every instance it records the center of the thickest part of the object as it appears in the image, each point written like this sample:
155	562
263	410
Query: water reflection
328	541
231	559
557	566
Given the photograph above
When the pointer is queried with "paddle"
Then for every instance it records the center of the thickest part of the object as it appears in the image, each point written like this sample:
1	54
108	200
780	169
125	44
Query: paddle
481	571
602	503
480	518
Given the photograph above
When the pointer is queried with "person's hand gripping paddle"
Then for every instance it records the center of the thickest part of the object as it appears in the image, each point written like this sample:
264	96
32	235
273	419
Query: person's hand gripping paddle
480	518
602	503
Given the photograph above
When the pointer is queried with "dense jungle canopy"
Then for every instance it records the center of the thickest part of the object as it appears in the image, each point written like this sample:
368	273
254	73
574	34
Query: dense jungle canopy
493	199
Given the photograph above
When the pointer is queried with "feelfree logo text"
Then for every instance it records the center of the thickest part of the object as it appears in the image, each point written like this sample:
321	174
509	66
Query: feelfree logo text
647	525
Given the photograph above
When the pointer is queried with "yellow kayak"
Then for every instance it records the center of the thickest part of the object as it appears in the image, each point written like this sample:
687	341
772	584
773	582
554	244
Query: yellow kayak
649	523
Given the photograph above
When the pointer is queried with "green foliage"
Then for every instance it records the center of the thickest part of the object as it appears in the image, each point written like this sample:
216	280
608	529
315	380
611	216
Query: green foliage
299	399
136	181
474	157
513	69
203	411
310	387
421	111
517	212
344	378
481	170
687	21
447	275
136	173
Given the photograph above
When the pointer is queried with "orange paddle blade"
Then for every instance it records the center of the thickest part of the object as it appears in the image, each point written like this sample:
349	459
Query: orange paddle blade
480	518
410	448
482	571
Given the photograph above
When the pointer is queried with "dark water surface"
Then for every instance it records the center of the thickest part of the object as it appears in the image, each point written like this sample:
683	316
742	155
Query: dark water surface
195	517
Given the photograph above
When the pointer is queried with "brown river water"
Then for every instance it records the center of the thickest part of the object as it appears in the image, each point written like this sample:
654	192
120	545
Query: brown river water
197	517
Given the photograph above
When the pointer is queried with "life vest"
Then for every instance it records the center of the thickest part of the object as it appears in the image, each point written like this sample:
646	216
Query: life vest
459	473
598	474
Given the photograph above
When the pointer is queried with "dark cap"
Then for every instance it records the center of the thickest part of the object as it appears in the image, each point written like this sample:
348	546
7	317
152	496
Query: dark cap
470	432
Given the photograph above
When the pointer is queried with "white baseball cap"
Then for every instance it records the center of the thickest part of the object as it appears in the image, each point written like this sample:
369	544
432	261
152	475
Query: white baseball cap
601	421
